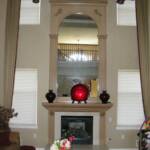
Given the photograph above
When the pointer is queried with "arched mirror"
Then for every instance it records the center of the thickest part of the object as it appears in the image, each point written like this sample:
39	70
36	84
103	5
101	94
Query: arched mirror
77	60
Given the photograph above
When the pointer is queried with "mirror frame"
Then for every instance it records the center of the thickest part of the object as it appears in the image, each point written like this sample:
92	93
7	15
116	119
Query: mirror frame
96	10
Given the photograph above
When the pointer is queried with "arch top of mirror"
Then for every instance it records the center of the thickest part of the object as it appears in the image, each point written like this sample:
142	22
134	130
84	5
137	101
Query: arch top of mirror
77	51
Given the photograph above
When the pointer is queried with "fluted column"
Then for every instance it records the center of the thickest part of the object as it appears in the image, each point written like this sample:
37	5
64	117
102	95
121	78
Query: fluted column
102	73
51	125
53	62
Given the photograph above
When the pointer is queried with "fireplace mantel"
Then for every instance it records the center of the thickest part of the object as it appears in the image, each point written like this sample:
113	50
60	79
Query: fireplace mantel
68	107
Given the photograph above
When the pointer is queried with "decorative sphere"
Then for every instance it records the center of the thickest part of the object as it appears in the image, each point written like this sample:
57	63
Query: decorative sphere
79	92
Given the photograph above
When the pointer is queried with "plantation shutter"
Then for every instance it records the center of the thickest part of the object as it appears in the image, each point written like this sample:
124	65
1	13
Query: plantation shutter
130	108
25	98
126	14
29	12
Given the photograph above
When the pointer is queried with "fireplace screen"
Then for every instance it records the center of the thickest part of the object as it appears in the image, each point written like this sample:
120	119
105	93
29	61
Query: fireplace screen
79	126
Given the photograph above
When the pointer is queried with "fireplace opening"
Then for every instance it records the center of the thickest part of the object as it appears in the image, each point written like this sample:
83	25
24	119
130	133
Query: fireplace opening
81	127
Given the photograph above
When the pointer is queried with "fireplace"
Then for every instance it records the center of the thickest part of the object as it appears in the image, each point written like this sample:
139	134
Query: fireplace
58	109
80	119
81	127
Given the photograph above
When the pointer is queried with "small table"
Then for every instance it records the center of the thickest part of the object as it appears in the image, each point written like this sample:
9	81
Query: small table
84	147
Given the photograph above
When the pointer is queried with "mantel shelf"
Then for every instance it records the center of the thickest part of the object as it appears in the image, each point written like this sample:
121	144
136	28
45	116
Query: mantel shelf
69	107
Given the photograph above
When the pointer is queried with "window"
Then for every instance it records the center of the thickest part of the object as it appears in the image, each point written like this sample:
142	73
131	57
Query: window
29	12
130	113
25	99
126	13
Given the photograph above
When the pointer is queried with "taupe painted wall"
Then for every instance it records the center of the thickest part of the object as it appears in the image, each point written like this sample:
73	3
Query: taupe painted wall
33	52
122	53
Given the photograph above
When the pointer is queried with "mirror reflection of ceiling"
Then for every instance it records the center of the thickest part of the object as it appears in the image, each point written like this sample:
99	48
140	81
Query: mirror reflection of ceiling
78	29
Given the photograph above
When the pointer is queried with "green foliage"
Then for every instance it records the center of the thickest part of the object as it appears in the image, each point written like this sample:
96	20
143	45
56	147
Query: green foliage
5	115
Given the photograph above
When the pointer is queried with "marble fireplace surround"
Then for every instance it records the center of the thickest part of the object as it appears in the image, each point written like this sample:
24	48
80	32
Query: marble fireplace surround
68	107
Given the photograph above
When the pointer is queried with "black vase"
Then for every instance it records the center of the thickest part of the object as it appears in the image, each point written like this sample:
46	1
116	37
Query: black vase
104	96
50	96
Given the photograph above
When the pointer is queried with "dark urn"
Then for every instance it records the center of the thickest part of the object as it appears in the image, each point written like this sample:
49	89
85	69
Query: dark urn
104	96
50	96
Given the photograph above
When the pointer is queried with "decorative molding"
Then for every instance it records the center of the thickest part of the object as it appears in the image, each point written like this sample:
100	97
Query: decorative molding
104	36
62	8
67	107
58	12
51	113
97	12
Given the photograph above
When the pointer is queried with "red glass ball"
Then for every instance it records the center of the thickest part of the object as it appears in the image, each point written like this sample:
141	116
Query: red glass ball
79	92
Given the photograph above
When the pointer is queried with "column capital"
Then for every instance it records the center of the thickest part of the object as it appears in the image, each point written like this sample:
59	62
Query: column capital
53	36
102	36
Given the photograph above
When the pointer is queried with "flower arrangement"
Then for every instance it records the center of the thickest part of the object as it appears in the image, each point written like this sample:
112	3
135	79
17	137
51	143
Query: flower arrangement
63	144
147	123
5	115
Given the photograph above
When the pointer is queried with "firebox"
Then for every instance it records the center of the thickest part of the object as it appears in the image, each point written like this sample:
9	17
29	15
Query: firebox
81	127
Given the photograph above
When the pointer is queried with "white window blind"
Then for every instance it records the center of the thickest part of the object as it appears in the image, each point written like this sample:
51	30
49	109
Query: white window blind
130	107
25	99
29	12
126	13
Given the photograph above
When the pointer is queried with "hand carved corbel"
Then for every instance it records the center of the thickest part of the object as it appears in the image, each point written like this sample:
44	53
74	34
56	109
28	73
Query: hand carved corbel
104	36
53	36
59	11
51	113
97	12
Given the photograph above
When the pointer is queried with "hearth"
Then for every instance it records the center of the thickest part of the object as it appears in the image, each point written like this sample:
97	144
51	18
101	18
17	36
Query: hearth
81	127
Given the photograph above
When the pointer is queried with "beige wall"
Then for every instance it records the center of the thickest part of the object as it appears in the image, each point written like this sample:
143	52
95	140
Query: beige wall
33	52
3	7
122	53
